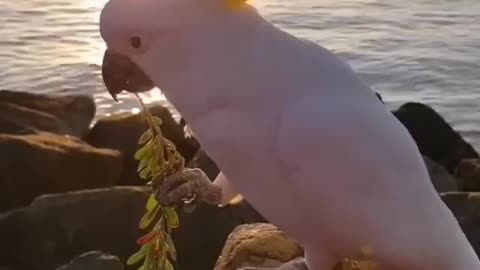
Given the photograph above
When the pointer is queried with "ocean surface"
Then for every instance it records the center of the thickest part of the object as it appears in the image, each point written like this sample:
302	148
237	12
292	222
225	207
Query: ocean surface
414	50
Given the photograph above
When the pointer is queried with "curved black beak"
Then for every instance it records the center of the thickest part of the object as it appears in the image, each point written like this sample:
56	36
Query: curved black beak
119	74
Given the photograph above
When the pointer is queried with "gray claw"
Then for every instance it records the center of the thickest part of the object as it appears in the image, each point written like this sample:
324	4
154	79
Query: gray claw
187	184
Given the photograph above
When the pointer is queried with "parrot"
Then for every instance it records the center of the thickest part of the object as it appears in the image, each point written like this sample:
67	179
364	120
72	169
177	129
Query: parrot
294	130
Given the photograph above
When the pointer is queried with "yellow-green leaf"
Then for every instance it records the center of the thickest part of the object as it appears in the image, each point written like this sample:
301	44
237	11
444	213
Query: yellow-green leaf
168	265
172	217
171	247
151	203
156	120
135	258
142	165
147	135
140	153
148	217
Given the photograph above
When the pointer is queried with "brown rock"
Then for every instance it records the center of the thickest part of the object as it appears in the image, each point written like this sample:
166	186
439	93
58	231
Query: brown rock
441	179
122	131
22	112
468	175
466	208
58	227
257	245
36	164
55	228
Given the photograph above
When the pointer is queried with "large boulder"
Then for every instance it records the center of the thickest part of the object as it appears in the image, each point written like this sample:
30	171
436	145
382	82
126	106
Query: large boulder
94	260
435	138
468	175
122	131
58	227
36	164
22	112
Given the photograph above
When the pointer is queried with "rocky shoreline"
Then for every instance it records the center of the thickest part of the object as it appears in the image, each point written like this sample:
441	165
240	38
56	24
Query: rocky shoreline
70	197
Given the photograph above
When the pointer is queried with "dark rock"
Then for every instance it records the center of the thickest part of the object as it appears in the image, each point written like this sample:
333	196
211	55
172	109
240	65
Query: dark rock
56	228
435	138
36	164
22	112
441	179
122	131
203	161
94	260
466	208
468	175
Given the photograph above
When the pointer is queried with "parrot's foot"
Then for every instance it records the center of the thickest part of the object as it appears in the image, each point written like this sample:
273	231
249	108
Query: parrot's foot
187	184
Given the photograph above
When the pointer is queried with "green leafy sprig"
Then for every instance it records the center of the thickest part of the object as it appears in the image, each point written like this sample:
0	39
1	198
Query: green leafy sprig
158	159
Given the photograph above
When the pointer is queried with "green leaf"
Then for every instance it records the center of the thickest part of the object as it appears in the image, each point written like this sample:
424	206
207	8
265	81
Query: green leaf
140	153
142	165
148	217
147	135
135	258
168	265
144	174
151	203
156	120
171	247
172	217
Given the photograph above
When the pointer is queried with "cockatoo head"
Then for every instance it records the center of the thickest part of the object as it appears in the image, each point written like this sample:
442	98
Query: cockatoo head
140	32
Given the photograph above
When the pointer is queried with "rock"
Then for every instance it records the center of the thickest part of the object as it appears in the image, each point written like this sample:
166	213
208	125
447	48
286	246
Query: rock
58	227
442	180
22	112
295	264
435	138
55	228
36	164
468	175
262	246
122	131
257	245
94	260
466	208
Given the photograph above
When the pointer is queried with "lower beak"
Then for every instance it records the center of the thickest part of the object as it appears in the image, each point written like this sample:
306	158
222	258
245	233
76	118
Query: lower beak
120	73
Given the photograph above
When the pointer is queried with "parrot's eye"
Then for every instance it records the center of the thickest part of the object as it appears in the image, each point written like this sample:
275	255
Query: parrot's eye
136	42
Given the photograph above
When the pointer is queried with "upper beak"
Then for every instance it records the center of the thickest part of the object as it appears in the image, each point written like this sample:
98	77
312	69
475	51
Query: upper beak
120	73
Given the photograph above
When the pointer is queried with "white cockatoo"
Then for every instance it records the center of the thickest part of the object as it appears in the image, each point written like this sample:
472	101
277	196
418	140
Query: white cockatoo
293	129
